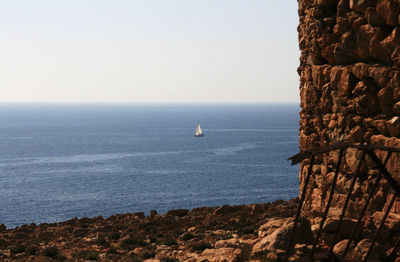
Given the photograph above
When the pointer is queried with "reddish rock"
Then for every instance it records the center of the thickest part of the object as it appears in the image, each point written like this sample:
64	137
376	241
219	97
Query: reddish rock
385	96
360	70
356	134
389	11
373	18
396	108
360	5
380	74
368	44
394	126
392	222
392	41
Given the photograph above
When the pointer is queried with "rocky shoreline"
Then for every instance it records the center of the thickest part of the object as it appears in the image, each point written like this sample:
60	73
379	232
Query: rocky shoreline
256	232
226	233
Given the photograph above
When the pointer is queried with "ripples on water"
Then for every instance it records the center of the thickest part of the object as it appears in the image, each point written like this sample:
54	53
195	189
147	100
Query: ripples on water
63	161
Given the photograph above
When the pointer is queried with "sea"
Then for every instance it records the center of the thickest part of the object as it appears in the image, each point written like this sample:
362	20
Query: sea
60	161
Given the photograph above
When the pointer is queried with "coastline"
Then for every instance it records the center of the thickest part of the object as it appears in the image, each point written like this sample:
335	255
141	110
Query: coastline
227	232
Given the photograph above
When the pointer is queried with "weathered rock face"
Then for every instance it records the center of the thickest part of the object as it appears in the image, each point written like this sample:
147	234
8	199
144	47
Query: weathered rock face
350	91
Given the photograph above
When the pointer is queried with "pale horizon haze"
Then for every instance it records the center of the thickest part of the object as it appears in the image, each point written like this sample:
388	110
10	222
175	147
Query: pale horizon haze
149	51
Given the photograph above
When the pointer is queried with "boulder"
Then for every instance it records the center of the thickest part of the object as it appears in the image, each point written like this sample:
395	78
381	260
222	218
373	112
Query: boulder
346	228
269	227
340	247
393	126
178	212
225	254
392	222
279	238
362	248
396	108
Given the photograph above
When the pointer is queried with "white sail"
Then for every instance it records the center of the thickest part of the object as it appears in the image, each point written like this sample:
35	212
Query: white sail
199	132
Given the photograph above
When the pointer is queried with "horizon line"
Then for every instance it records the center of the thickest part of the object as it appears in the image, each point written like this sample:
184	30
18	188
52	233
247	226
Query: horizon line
149	103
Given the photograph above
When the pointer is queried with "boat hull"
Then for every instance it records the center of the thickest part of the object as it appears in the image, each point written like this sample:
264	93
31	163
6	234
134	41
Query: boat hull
201	135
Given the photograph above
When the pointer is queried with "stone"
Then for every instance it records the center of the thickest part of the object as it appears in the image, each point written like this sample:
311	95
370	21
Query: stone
269	227
368	44
360	70
178	212
360	5
340	247
393	126
346	228
356	134
381	126
373	18
392	41
385	96
363	247
392	222
396	108
380	75
279	238
341	80
221	255
389	11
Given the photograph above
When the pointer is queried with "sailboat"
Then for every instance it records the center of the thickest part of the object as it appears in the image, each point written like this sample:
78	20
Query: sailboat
199	132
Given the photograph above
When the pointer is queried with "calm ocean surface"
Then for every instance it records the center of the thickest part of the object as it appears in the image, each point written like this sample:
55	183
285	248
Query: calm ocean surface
63	161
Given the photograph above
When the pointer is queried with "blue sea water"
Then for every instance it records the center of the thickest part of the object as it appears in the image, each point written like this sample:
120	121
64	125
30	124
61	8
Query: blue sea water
73	160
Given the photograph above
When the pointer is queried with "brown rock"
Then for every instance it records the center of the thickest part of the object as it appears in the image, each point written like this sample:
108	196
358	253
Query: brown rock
373	18
279	238
396	108
392	222
346	228
368	43
178	212
394	126
360	70
363	247
385	96
381	126
340	248
393	164
226	254
341	80
269	227
389	11
392	41
380	74
394	83
360	5
366	104
356	134
396	59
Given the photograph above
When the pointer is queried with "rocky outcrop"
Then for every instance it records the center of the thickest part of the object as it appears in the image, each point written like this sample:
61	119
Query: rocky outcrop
227	233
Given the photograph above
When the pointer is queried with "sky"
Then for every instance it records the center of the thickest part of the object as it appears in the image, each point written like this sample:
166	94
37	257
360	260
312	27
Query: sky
158	51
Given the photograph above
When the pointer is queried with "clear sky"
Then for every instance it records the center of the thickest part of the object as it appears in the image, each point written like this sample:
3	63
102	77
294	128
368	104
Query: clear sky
148	51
